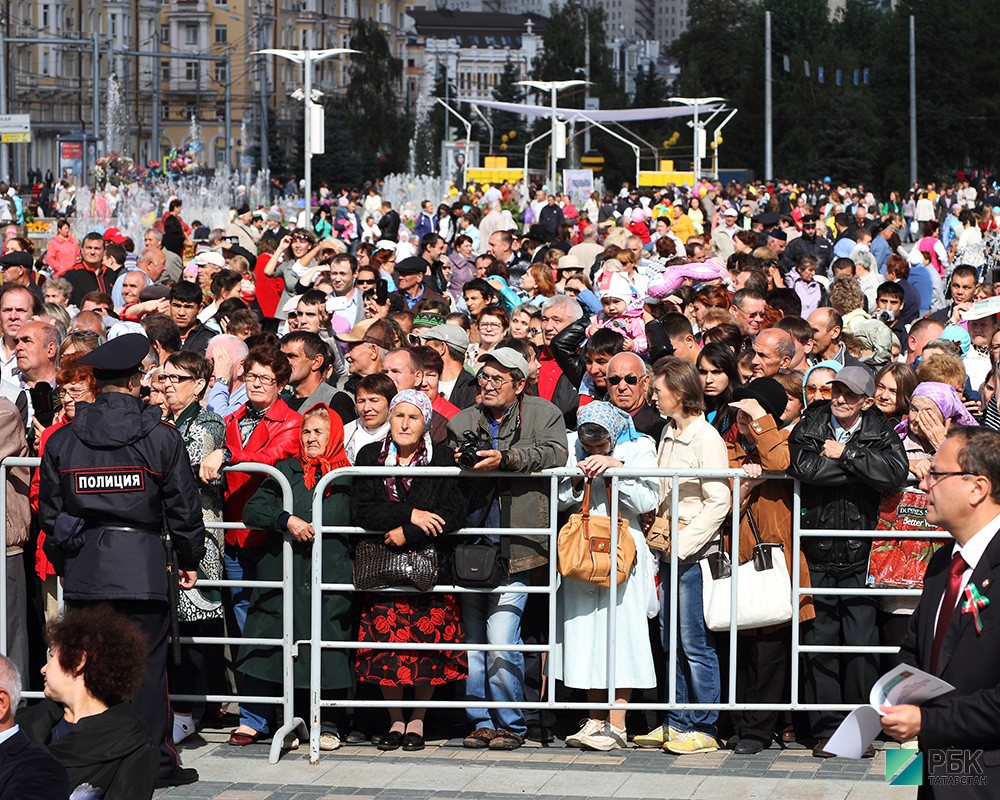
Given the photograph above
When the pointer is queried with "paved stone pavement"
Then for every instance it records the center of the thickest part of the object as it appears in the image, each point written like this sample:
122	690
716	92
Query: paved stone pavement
447	771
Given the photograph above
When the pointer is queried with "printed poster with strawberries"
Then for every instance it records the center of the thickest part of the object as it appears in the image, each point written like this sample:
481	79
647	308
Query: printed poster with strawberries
901	563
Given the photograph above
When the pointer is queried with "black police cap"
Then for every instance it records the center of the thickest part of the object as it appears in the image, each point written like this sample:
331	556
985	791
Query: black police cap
119	358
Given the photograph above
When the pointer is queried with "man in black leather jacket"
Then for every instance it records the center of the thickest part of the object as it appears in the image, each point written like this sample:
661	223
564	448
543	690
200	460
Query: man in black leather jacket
846	454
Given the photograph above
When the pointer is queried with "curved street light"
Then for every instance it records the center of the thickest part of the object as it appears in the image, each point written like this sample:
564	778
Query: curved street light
553	87
307	58
695	102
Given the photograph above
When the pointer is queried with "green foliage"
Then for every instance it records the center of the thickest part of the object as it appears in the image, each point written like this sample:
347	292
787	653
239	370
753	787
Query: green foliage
341	163
857	133
508	91
381	132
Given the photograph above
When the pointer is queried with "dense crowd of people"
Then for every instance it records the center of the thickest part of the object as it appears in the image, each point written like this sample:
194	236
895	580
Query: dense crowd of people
778	329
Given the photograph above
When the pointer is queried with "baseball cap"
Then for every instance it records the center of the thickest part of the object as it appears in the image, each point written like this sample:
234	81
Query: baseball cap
507	357
452	335
858	379
210	258
373	331
114	235
731	212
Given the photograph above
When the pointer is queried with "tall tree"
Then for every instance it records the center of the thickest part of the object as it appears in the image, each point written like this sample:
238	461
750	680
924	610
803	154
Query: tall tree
381	132
341	163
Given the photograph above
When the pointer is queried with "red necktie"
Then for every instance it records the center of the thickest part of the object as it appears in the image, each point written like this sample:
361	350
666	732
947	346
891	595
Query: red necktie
958	566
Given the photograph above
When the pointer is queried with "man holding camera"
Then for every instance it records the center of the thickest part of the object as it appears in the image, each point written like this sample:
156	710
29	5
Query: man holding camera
506	431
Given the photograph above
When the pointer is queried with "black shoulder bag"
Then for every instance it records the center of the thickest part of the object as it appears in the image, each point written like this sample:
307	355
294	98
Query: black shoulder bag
480	563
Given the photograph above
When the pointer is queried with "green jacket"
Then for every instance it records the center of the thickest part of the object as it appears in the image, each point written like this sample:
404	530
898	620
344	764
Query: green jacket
264	511
533	435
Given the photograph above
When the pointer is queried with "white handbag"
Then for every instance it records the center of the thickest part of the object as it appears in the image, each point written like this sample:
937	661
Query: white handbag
764	590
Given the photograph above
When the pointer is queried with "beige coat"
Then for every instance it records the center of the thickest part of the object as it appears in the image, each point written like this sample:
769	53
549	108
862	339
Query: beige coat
702	504
13	443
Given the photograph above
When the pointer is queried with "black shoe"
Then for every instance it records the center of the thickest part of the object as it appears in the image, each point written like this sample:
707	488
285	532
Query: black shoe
748	746
391	741
539	733
818	750
358	737
179	777
413	742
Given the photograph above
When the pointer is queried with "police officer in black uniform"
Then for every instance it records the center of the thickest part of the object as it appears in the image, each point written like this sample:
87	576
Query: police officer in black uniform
114	483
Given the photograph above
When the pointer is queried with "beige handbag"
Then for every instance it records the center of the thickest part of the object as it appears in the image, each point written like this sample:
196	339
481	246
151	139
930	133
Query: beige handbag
584	546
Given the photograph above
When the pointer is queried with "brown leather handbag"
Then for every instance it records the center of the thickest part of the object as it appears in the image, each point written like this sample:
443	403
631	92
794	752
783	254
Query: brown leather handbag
584	545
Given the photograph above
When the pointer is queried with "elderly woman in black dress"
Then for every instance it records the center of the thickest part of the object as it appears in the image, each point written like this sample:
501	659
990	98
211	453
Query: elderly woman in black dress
411	512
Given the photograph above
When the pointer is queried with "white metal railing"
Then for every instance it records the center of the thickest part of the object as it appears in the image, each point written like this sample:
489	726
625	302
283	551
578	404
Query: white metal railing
290	647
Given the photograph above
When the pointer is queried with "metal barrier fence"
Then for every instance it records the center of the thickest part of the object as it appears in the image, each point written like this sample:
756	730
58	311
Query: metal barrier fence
290	647
286	643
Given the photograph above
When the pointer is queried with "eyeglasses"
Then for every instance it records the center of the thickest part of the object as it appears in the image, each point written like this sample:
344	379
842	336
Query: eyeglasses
301	238
263	380
826	392
534	331
631	380
490	326
178	378
760	314
72	395
364	283
934	477
496	381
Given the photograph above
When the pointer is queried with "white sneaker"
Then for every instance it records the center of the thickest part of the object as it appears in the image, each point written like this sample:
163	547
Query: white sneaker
607	738
588	727
183	727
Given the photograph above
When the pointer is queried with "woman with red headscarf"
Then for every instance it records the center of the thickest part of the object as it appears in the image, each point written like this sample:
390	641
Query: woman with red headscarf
321	451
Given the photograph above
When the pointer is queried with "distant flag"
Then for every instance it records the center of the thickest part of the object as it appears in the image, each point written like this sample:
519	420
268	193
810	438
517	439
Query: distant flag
865	76
806	64
857	76
821	74
838	75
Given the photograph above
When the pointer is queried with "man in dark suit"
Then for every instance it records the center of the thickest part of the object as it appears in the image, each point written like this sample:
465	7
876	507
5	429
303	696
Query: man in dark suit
954	633
27	770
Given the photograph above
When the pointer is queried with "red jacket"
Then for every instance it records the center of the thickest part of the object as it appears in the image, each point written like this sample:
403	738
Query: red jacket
275	437
43	566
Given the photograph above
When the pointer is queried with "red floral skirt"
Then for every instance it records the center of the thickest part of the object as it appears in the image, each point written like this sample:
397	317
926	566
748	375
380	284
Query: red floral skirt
414	618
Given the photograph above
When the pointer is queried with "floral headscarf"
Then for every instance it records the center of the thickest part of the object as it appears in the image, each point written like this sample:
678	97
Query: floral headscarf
616	422
389	456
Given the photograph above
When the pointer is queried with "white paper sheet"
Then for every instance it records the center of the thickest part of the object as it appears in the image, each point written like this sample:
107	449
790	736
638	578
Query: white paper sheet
904	685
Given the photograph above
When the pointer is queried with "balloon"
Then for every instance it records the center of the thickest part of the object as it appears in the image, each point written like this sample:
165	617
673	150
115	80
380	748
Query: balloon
512	134
503	146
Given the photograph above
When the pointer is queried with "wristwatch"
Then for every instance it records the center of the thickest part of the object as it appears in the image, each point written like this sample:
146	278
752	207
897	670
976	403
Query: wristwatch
227	455
223	381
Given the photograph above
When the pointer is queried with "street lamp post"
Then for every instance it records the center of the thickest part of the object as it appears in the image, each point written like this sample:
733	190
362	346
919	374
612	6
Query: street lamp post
553	87
307	58
696	102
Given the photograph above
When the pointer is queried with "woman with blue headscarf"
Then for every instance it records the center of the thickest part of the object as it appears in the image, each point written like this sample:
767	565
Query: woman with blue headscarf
606	438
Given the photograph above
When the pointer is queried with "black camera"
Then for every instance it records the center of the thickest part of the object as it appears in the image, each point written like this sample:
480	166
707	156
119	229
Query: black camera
885	315
473	441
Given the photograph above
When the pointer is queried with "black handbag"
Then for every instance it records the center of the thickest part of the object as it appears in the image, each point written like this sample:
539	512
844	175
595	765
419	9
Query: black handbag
481	563
378	566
